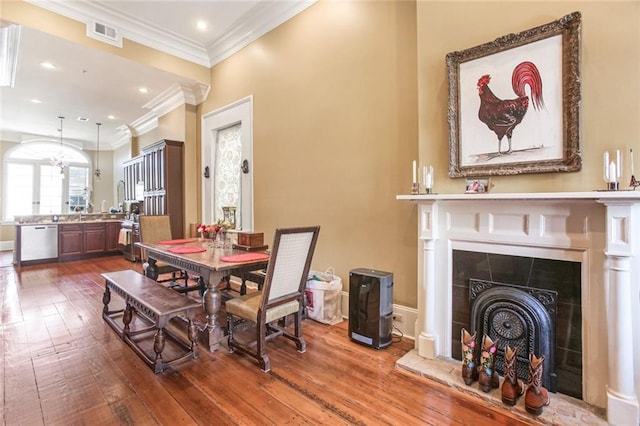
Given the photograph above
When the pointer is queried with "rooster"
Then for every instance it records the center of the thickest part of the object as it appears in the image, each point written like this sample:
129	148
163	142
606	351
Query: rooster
502	116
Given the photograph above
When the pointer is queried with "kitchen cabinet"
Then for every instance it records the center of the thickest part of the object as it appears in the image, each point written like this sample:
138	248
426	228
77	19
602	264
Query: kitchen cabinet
82	240
160	168
70	241
163	182
111	238
133	173
94	238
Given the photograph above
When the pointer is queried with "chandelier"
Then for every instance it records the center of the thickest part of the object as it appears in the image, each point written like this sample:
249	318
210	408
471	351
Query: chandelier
98	172
58	159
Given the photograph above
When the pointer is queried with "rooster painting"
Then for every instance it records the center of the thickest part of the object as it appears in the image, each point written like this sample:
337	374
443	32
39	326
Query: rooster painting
502	116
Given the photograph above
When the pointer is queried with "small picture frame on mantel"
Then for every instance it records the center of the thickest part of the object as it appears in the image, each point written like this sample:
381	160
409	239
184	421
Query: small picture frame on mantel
477	186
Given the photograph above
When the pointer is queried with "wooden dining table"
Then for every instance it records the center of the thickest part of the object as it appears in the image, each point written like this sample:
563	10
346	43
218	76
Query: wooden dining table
207	264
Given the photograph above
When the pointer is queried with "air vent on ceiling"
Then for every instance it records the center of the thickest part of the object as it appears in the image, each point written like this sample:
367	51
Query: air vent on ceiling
104	32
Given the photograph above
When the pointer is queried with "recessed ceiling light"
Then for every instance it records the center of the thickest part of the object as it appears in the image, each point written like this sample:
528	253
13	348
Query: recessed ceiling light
47	65
111	117
202	25
143	90
36	101
83	119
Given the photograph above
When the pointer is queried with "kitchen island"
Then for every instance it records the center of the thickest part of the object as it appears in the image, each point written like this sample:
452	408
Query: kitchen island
59	238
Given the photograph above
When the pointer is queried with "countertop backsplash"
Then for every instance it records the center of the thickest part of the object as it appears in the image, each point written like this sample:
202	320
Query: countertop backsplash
68	218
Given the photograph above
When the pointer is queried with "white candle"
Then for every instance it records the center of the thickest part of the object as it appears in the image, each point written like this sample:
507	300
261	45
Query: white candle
424	176
618	164
415	172
429	183
631	155
612	172
606	166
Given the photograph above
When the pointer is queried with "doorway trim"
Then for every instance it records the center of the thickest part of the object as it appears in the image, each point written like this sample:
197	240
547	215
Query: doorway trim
240	111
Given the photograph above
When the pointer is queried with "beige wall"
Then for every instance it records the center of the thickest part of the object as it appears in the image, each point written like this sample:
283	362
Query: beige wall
335	130
610	83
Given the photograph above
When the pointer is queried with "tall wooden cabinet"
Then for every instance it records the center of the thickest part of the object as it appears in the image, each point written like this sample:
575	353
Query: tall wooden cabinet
133	173
160	167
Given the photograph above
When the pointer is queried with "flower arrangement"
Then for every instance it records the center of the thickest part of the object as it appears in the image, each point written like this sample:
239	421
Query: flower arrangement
218	227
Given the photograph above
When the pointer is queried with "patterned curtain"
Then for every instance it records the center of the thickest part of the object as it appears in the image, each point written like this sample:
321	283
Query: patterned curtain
227	171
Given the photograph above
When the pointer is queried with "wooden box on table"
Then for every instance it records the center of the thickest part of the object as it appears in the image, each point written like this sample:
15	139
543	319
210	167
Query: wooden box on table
251	239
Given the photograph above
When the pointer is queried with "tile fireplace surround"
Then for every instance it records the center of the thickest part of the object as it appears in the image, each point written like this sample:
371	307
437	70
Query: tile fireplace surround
601	230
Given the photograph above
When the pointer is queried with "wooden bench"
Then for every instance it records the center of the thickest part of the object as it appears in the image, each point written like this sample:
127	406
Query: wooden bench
156	306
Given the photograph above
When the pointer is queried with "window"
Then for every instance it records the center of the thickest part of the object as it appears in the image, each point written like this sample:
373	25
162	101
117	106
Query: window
227	146
34	186
226	177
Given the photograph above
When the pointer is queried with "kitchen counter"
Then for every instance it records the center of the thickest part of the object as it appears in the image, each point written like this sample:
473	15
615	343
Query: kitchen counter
69	218
40	239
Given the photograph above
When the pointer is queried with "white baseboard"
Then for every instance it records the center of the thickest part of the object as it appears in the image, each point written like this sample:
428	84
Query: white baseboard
6	245
407	324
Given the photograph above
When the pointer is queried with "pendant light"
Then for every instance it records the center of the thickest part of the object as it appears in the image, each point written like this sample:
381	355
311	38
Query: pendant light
97	172
58	159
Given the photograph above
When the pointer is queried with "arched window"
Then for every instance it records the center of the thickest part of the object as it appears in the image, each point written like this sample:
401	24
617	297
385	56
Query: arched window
33	185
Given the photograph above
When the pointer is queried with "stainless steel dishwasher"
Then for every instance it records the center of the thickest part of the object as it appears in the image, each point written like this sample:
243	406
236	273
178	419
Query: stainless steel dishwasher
38	242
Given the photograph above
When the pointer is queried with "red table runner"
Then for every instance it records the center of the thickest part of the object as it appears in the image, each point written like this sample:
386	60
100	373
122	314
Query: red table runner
245	257
179	241
186	249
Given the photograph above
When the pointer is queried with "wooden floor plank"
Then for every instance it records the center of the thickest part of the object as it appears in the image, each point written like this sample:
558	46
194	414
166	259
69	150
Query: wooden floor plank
61	364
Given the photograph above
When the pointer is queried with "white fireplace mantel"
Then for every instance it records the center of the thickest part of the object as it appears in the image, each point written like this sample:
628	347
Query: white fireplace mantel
601	230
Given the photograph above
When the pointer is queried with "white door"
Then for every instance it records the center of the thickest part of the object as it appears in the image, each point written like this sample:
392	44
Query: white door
227	140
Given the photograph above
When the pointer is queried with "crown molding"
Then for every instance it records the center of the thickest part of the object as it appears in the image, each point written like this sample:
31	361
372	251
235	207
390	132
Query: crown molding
128	27
261	19
264	17
177	95
144	124
125	133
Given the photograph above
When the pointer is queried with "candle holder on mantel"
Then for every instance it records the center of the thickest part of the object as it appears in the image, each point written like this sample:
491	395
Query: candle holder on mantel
633	183
612	170
415	188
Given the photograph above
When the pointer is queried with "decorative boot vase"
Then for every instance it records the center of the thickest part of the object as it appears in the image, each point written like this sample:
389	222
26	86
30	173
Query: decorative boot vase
537	396
512	387
469	371
487	376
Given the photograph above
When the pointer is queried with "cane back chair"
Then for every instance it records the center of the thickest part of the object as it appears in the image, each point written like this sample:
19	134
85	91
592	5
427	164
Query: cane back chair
255	318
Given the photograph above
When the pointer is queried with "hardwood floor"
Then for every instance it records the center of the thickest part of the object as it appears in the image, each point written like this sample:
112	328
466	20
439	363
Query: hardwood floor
61	364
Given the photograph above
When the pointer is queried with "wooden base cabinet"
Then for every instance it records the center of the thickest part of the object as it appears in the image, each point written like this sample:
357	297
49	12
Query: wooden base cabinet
83	240
111	238
70	241
94	238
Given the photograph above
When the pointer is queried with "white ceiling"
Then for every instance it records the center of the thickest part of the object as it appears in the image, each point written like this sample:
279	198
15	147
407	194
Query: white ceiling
94	84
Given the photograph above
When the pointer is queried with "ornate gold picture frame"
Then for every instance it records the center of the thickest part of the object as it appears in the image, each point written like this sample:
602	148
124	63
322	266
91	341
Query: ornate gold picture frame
514	103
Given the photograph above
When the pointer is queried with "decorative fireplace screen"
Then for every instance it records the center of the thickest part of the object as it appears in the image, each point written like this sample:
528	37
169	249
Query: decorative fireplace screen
523	318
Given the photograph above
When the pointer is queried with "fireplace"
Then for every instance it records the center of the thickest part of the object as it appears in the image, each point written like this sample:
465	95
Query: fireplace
531	304
595	233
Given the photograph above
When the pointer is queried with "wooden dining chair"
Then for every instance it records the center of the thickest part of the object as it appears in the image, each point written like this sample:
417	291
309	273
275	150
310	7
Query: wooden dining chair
152	230
255	318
